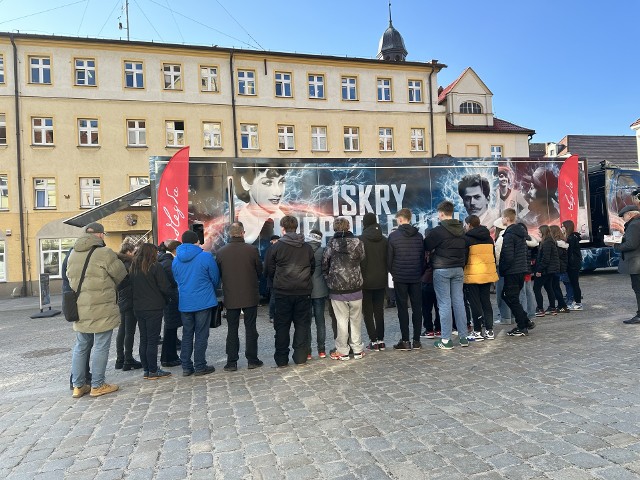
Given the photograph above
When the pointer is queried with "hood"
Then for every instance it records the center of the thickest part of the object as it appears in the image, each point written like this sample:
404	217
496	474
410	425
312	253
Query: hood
314	244
293	239
84	243
373	233
164	256
518	230
187	252
407	230
453	226
481	234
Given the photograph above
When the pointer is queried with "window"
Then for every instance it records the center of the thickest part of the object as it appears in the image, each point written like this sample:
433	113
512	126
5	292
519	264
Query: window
42	131
249	136
3	129
172	76
89	192
175	133
133	75
52	253
4	192
3	263
283	84
87	131
208	79
384	89
496	151
351	139
212	135
417	139
1	68
246	82
136	133
316	86
286	139
44	192
470	107
40	70
415	90
85	72
137	182
385	135
349	88
319	139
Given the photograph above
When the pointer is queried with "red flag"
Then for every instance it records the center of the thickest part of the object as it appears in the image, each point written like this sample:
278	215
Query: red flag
173	197
568	190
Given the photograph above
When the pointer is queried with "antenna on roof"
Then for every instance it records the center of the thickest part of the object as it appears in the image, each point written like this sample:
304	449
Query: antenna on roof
126	15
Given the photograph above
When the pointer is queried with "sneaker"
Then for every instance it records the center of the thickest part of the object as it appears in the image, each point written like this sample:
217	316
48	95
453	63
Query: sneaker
454	332
531	325
309	357
131	365
158	374
448	345
373	347
103	390
255	364
81	391
476	337
358	356
381	346
540	312
428	334
205	371
338	356
322	355
632	321
416	345
405	346
564	310
464	341
516	332
187	373
552	311
575	306
231	367
489	335
436	334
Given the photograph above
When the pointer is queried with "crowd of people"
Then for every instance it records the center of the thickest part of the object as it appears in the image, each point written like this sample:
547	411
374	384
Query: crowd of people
445	276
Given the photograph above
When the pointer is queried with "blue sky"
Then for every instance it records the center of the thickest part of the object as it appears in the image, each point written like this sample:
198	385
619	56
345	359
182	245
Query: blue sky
558	67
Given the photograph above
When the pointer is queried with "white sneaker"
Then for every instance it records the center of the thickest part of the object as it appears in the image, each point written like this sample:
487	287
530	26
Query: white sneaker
575	306
475	337
454	332
489	335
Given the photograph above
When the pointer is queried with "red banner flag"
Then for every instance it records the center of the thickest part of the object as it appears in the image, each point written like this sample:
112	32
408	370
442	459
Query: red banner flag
568	190
173	197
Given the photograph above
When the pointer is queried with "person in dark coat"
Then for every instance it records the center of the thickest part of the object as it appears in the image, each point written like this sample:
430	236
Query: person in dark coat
405	255
574	263
630	250
269	282
563	258
429	300
127	328
547	265
172	320
319	294
240	269
375	279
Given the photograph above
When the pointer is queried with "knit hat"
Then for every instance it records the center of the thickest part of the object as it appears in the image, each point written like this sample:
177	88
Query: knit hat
369	219
94	227
313	237
189	236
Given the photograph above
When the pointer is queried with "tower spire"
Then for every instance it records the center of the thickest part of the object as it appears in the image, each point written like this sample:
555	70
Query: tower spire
390	24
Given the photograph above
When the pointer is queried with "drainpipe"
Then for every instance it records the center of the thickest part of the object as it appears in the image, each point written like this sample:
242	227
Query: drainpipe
23	291
233	106
433	140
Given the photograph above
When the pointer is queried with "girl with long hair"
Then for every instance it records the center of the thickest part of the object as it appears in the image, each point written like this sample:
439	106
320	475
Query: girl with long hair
562	247
547	265
574	263
172	321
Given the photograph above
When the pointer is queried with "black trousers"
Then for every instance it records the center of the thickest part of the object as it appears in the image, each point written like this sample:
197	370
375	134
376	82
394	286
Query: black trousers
251	334
511	295
406	292
125	336
169	352
635	284
479	295
296	310
150	324
429	302
574	276
373	313
546	282
557	291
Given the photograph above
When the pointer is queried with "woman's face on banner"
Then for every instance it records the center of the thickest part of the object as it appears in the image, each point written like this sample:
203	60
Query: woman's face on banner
266	191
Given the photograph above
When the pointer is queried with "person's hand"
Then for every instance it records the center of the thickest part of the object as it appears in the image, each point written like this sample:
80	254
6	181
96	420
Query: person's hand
538	274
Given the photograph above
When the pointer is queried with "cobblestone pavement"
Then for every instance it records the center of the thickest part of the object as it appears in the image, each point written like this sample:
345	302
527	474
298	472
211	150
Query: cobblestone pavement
561	403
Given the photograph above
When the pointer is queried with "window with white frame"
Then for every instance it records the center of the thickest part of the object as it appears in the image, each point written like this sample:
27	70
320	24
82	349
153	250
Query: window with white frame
3	262
417	139
415	90
172	76
208	79
4	192
384	89
385	135
85	72
351	139
52	253
136	133
470	107
133	74
137	182
286	139
44	190
283	84
249	136
42	131
496	151
3	129
1	68
87	132
349	88
212	132
319	139
246	82
316	86
40	70
89	192
175	133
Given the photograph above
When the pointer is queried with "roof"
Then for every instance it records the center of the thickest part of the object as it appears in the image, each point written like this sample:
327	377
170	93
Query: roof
443	94
499	126
636	123
621	150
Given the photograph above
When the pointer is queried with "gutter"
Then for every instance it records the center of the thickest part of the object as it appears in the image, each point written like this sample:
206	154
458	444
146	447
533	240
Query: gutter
433	140
233	106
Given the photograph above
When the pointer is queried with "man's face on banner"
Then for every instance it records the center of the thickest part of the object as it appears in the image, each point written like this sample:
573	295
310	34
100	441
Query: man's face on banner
474	201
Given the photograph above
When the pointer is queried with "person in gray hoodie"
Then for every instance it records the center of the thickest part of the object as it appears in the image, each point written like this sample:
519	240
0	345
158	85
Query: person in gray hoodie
319	294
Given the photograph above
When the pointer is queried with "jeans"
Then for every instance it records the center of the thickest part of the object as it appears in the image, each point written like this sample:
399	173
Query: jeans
448	284
169	352
296	310
635	284
544	281
317	307
124	337
251	334
574	276
503	308
373	312
349	320
99	357
479	296
528	299
511	295
557	291
429	301
406	292
195	337
150	324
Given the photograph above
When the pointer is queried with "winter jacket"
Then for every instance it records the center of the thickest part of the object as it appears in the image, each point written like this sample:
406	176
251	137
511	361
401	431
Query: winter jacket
548	261
481	261
447	245
125	292
320	289
172	318
427	274
151	290
63	272
291	265
574	261
513	253
197	275
630	248
405	254
97	307
374	265
563	256
341	263
240	270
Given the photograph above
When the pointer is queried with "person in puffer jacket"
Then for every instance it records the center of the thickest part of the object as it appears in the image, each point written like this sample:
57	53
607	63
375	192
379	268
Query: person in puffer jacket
547	265
574	263
563	257
341	269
